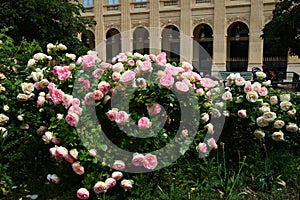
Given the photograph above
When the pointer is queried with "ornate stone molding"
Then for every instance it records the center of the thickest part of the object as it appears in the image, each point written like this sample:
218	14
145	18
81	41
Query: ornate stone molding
112	25
267	18
236	19
166	22
202	20
143	23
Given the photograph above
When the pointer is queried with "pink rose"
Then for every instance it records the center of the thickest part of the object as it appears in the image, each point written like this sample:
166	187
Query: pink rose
138	160
40	101
263	91
117	67
112	114
72	119
166	81
207	83
97	73
144	122
57	96
106	99
61	152
126	184
67	100
185	133
202	147
131	62
181	86
146	66
89	99
154	109
141	82
242	113
239	81
77	168
74	153
83	193
210	129
76	102
248	88
227	96
88	61
53	178
116	76
118	165
161	59
105	65
98	95
104	87
100	187
212	143
110	182
92	152
122	57
117	175
75	109
121	117
200	92
150	161
62	73
127	77
69	159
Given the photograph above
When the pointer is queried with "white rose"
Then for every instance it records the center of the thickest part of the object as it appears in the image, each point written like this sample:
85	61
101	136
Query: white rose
20	118
252	96
62	47
3	131
279	124
285	105
227	96
3	119
2	89
273	100
285	97
37	75
261	122
39	56
278	136
292	127
292	112
27	88
71	56
259	133
266	83
261	75
265	109
31	62
269	116
256	86
5	107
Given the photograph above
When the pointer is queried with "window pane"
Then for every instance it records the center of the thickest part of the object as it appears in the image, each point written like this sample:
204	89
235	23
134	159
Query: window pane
113	2
87	3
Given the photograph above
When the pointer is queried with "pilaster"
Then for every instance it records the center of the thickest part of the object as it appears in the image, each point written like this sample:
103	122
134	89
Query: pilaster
100	44
155	29
126	32
186	41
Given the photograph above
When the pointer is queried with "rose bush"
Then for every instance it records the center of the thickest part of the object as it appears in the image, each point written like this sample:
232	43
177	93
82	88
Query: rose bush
93	108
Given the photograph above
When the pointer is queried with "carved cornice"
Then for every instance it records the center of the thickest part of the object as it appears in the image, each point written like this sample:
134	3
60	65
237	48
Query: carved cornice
237	19
112	25
202	20
143	23
166	22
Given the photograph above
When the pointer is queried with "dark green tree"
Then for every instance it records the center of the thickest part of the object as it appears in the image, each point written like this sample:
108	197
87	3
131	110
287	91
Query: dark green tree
283	31
45	21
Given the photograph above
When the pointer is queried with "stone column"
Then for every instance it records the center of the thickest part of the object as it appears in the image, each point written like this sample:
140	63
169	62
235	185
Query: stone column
255	42
219	36
186	44
155	29
100	44
126	33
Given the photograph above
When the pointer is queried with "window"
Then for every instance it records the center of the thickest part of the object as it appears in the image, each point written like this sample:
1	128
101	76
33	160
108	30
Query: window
203	1
111	2
170	3
87	3
140	0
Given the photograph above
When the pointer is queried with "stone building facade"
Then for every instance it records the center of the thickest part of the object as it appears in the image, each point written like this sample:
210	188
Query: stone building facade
214	35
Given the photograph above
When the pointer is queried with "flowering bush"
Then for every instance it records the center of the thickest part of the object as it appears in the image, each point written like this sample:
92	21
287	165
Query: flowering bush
256	110
136	114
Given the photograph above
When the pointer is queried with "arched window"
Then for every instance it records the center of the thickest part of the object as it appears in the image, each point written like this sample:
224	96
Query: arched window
203	48
237	47
113	44
88	38
141	40
171	43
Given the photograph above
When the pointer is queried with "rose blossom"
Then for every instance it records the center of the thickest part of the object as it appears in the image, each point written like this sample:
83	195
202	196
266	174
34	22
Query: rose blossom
269	116
117	175
207	83
212	143
202	147
278	136
75	109
77	168
144	122
248	88
210	128
76	102
72	119
69	159
117	67
53	178
100	187
239	81
263	91
181	86
112	114
62	73
256	86
292	127
150	161
74	153
131	62
166	81
83	193
105	65
242	113
98	95
146	66
265	109
57	96
97	73
40	101
61	152
122	57
200	92
259	133
141	82
285	97
110	182
260	75
185	133
273	100
285	105
118	165
48	136
292	112
127	77
126	184
121	117
252	96
278	124
261	122
161	59
88	61
27	88
138	159
104	87
67	100
205	117
116	76
92	152
227	96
